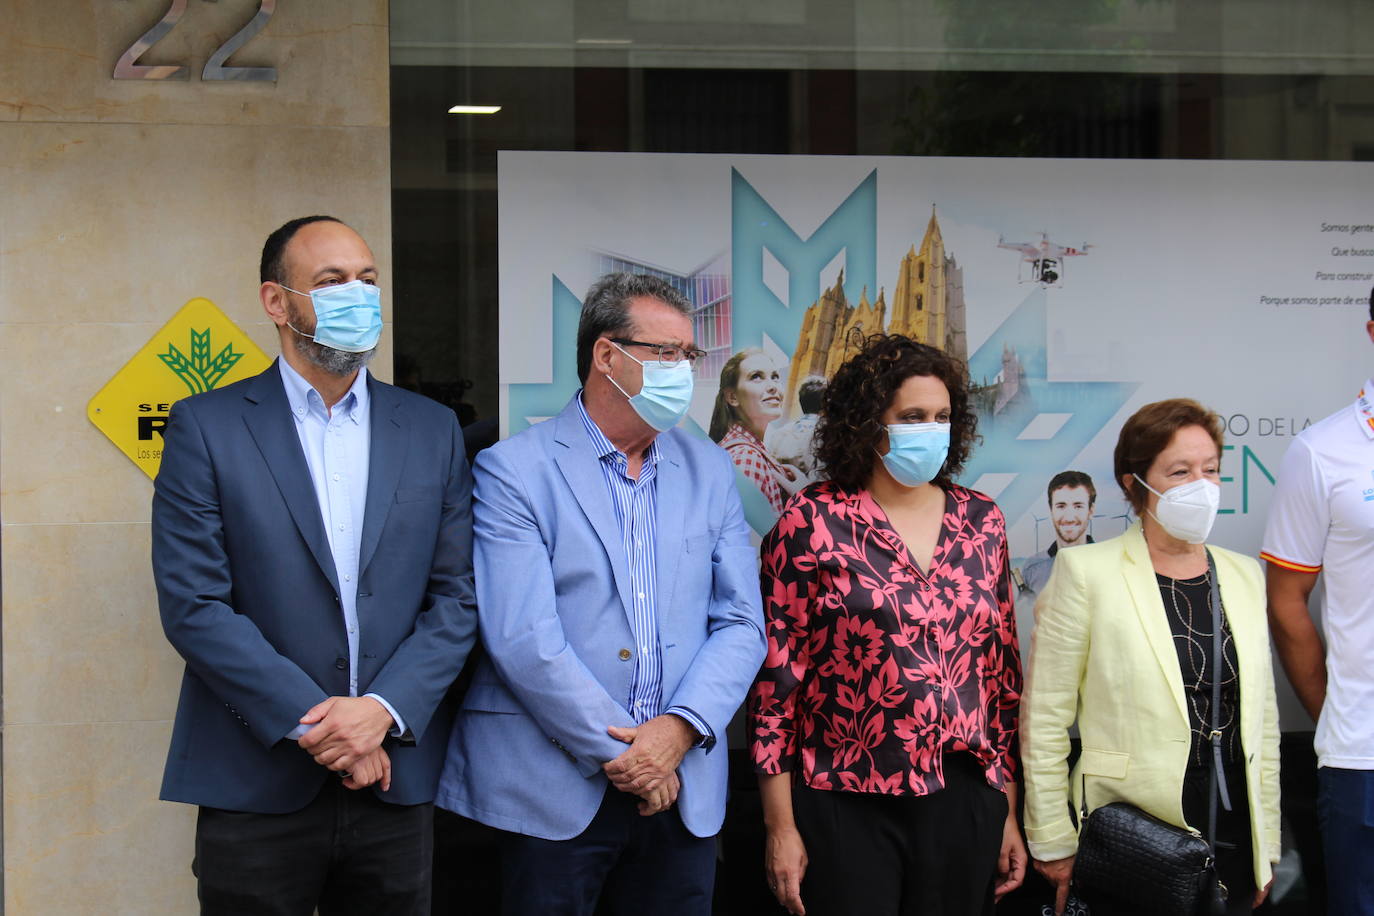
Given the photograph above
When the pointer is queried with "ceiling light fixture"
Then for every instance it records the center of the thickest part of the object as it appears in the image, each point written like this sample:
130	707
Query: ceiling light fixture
474	109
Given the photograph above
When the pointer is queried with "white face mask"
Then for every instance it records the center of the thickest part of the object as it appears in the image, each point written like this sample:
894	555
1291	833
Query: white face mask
1188	510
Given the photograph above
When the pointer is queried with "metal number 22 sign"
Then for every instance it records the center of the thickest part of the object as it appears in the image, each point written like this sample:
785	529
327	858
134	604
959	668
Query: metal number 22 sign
127	67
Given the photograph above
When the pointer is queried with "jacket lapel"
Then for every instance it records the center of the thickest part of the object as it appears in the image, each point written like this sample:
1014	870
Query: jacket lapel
581	468
389	442
268	417
1149	608
1251	641
672	494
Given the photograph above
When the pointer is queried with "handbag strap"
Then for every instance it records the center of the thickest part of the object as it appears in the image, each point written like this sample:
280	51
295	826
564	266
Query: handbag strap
1218	777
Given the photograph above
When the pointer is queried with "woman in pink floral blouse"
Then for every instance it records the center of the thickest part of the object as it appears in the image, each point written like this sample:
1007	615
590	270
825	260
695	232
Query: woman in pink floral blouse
883	723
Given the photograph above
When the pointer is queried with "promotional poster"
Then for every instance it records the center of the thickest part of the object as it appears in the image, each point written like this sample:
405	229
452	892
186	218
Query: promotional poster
1077	291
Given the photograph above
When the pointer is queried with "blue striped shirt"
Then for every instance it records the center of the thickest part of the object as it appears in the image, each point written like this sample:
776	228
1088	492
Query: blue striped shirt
635	504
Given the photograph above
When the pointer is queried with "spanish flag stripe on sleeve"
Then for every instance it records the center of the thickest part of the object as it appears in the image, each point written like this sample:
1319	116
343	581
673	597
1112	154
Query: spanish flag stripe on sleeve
1289	564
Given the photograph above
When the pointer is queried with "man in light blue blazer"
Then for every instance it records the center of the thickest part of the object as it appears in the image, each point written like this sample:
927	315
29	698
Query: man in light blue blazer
619	604
312	553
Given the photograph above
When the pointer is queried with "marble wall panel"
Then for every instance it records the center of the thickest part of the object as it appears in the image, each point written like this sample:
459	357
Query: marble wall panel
84	830
122	222
121	201
331	59
83	642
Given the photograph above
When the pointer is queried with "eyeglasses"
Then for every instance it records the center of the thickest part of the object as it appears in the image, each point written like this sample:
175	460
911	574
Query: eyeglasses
668	354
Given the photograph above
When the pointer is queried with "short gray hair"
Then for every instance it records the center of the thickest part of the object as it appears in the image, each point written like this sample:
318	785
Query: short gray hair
606	310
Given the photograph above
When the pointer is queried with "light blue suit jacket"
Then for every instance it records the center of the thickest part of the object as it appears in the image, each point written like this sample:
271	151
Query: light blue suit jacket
553	592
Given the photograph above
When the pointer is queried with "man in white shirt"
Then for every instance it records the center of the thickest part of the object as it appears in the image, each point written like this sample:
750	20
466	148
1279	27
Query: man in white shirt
1322	520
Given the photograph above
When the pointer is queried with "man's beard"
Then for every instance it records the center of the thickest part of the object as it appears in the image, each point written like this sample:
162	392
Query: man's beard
328	359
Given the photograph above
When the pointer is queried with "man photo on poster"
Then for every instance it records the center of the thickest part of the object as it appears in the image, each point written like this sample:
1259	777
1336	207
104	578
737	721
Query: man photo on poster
1071	496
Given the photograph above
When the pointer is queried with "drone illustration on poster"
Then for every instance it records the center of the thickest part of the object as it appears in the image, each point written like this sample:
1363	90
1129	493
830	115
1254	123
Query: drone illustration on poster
1044	258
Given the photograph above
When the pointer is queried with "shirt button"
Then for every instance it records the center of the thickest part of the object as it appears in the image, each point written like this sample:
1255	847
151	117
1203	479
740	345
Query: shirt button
352	630
341	527
641	596
336	476
347	577
644	650
625	655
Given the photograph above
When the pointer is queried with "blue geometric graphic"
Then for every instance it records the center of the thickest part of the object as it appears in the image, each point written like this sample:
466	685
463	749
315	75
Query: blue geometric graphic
546	400
1089	406
755	225
1082	409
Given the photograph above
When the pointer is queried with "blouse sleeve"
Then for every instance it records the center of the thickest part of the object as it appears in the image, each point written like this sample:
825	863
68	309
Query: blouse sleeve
788	582
1004	717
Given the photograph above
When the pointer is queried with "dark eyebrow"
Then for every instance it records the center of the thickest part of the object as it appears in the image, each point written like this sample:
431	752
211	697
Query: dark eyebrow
325	271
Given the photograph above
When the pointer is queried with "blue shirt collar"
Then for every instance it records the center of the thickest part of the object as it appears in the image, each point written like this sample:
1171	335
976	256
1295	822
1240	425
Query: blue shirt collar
603	447
303	398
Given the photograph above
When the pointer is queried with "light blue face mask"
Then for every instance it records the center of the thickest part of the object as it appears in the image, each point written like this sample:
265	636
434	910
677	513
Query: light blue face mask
663	400
916	452
348	316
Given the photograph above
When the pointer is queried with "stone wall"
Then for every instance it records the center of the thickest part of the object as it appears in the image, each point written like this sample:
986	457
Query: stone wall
119	201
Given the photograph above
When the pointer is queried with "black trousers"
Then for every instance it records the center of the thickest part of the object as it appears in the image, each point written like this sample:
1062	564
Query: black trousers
633	865
347	852
886	855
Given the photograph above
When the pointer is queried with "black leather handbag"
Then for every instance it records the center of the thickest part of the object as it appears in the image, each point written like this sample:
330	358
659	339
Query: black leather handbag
1129	861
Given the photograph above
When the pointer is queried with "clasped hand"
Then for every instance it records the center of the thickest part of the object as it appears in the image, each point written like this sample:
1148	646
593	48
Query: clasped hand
648	767
346	736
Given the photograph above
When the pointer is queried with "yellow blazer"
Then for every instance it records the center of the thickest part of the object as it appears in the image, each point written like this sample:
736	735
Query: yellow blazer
1102	652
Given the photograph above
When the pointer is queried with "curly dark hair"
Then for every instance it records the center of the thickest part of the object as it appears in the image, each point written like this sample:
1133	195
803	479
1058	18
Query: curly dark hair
851	422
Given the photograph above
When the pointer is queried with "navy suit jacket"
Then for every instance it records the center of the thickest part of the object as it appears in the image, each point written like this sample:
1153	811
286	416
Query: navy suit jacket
250	599
554	589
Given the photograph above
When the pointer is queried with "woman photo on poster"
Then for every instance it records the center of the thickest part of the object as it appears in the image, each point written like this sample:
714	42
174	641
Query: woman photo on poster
1125	644
883	723
750	398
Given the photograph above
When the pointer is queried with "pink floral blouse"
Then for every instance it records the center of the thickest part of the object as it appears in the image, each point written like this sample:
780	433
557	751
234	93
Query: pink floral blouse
876	669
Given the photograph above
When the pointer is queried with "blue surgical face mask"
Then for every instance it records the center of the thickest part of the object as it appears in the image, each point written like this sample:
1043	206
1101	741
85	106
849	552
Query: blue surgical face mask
916	452
348	316
663	400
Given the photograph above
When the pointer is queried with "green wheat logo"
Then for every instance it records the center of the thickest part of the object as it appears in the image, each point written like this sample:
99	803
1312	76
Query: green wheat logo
200	372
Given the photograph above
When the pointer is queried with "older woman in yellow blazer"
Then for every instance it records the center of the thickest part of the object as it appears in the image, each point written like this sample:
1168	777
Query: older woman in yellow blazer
1123	643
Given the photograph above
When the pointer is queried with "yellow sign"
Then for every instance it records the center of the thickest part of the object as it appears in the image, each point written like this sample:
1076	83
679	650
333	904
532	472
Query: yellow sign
199	349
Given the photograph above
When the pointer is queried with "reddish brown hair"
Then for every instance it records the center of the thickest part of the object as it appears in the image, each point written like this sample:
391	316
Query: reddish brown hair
1149	432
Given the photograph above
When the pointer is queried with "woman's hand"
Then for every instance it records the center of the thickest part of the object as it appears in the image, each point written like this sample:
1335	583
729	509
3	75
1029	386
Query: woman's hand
1011	863
1058	873
1261	894
784	862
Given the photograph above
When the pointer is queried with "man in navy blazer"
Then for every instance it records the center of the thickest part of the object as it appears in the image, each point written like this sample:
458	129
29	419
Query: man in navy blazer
312	552
619	600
